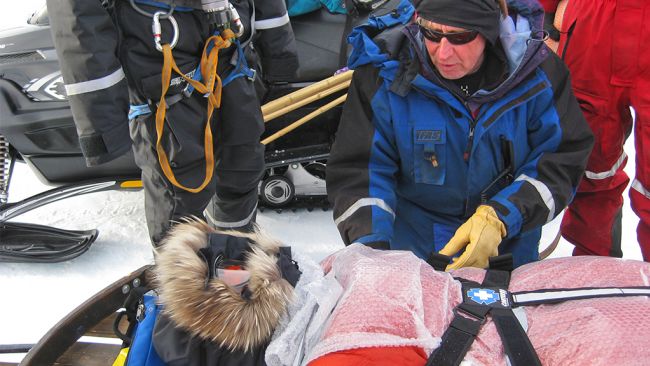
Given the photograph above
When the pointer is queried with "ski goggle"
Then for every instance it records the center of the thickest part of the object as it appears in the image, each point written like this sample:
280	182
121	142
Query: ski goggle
455	38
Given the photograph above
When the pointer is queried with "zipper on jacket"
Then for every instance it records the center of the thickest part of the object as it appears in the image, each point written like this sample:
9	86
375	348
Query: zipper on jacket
470	137
470	142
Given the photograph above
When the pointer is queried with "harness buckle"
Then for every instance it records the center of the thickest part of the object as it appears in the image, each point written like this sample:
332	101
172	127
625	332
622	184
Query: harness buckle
480	316
188	90
252	74
468	323
156	29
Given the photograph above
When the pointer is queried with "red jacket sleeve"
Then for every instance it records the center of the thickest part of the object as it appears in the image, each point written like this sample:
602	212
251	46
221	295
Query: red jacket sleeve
549	5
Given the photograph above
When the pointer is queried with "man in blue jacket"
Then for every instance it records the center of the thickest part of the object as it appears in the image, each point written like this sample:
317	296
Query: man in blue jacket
460	133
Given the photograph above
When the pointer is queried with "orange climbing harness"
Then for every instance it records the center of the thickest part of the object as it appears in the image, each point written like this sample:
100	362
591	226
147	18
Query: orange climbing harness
210	88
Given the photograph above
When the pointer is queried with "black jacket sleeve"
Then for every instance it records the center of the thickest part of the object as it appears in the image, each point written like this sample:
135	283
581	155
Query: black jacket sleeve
364	198
545	184
86	44
274	40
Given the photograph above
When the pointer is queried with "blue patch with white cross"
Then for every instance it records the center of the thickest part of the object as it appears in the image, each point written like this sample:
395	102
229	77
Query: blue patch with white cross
483	296
493	297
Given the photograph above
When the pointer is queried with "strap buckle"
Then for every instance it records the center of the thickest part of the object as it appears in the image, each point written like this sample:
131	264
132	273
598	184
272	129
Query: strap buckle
252	74
468	312
468	321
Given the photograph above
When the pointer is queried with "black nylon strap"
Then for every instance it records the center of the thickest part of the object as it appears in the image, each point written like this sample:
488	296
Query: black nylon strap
456	341
496	279
459	336
468	319
502	262
438	261
515	340
288	267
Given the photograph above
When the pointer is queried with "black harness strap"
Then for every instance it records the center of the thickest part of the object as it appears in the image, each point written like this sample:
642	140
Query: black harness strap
502	262
479	300
438	261
497	278
460	335
557	295
515	340
492	297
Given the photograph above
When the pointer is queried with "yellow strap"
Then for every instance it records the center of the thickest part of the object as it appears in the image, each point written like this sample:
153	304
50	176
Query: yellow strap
212	88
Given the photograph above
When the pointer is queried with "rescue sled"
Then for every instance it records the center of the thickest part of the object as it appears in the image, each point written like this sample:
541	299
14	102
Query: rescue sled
498	308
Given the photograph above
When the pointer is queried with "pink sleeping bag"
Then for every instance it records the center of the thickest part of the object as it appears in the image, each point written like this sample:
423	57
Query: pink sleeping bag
394	299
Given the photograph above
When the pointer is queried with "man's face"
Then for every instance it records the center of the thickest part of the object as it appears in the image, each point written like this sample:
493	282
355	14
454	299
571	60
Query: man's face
454	61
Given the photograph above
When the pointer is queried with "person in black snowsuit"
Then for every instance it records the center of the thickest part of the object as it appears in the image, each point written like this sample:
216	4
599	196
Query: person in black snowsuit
112	69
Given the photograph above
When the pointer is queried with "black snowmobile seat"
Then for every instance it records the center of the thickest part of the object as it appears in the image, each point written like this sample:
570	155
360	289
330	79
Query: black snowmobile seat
319	35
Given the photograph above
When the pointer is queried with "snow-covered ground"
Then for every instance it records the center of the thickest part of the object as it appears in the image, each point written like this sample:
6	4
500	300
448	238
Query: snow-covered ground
35	296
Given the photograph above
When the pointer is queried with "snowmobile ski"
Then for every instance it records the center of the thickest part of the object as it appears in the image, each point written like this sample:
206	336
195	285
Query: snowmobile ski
13	209
21	242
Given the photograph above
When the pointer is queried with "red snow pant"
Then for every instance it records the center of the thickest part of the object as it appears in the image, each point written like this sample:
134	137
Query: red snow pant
605	44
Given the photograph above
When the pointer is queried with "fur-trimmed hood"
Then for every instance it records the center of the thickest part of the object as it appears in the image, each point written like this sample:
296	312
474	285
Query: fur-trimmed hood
207	307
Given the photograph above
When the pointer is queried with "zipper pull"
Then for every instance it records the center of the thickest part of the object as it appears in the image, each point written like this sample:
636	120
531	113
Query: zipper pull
434	160
140	312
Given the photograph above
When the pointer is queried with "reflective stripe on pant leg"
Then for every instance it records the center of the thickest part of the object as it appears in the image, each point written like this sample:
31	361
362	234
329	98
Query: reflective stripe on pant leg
239	156
592	222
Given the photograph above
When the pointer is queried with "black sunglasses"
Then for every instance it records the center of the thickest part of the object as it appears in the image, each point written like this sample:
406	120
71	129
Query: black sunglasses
455	38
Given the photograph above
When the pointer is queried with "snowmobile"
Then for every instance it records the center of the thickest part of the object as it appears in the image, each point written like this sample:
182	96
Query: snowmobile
37	128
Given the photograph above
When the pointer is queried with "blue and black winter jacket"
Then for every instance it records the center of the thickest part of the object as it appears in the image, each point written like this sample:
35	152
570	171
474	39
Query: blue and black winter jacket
411	163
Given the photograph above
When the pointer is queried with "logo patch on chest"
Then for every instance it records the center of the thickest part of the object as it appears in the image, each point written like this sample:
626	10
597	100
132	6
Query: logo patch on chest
428	135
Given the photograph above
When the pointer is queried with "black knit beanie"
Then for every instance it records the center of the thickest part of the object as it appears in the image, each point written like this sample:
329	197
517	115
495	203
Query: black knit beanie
479	15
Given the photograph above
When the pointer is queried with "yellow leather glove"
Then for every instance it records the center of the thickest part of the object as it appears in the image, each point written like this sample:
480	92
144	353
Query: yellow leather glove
480	235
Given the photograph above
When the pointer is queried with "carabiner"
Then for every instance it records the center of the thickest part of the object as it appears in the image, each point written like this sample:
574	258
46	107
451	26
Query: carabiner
156	29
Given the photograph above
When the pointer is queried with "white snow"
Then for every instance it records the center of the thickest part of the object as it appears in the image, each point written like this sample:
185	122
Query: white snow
15	13
35	296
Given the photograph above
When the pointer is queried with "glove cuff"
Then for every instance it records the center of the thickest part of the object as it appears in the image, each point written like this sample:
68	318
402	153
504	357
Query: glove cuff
380	245
491	217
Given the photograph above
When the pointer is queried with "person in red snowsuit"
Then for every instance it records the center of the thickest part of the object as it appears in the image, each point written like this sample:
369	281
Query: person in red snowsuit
604	43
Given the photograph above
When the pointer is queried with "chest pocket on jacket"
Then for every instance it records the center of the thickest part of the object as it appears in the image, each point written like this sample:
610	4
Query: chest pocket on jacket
429	159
